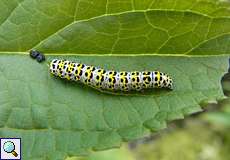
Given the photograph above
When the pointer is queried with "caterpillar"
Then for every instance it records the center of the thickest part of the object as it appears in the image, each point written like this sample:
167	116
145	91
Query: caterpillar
102	79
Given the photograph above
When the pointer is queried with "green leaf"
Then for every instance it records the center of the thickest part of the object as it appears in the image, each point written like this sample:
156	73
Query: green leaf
105	27
56	118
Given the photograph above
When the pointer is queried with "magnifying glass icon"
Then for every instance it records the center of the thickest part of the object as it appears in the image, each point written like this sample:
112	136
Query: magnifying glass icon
9	147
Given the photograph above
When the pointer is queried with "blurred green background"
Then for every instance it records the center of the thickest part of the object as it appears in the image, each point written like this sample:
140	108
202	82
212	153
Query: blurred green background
202	136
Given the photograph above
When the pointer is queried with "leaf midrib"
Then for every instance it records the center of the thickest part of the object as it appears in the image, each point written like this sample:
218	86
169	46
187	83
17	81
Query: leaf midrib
111	55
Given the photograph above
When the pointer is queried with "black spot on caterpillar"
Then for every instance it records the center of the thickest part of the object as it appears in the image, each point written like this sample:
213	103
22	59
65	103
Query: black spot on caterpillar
40	57
110	80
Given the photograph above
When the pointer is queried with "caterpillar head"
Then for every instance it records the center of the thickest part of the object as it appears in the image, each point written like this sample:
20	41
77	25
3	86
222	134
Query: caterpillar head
169	82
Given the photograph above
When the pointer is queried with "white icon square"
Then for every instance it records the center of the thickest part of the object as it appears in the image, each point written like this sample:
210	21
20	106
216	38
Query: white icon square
10	149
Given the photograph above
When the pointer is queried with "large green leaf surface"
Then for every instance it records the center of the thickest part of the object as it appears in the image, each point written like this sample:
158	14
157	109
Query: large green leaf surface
55	118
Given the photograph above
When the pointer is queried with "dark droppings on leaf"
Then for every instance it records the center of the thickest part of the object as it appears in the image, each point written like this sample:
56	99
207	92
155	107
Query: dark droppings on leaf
34	54
40	57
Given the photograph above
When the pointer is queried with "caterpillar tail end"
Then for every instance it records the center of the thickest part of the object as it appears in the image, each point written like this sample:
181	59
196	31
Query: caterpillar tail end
171	87
169	84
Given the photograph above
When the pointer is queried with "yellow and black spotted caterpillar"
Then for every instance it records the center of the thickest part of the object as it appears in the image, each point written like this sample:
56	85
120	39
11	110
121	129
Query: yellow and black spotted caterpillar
108	79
